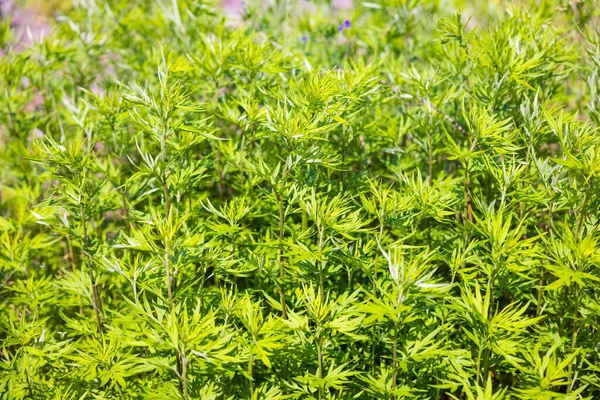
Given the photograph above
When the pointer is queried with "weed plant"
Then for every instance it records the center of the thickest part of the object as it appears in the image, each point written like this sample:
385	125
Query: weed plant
398	200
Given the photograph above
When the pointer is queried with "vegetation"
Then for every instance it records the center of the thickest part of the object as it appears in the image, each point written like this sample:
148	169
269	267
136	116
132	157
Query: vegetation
391	201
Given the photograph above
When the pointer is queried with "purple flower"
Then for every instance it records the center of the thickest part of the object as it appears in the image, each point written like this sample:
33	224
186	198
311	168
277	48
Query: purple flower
304	39
345	25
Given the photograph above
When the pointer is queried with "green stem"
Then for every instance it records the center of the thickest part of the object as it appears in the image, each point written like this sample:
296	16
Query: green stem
86	260
125	209
167	203
181	360
281	258
468	196
395	358
321	268
541	283
575	330
169	279
320	361
575	327
250	377
29	387
375	271
343	150
583	210
183	363
430	151
72	260
479	354
321	284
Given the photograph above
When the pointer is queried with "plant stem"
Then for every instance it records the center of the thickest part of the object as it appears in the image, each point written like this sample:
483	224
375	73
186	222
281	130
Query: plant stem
163	145
541	283
250	377
241	163
583	210
71	254
72	260
29	387
343	157
430	151
181	361
575	327
183	380
95	305
479	377
321	268
167	202
575	330
321	284
220	173
281	258
168	276
468	196
125	209
395	358
320	360
304	220
374	331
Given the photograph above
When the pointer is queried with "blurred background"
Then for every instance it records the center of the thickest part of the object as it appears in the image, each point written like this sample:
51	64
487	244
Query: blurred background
35	13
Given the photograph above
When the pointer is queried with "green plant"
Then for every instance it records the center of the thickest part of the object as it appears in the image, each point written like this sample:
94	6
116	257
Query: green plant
391	201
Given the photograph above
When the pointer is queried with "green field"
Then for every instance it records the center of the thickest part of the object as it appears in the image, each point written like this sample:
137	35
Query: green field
395	199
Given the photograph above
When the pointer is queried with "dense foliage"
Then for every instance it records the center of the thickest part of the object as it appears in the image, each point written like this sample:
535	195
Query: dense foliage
389	201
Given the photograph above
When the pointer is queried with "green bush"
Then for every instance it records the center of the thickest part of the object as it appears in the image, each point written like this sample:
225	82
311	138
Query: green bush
390	201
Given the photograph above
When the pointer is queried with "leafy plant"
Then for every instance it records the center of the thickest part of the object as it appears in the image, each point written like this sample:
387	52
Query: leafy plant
394	200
